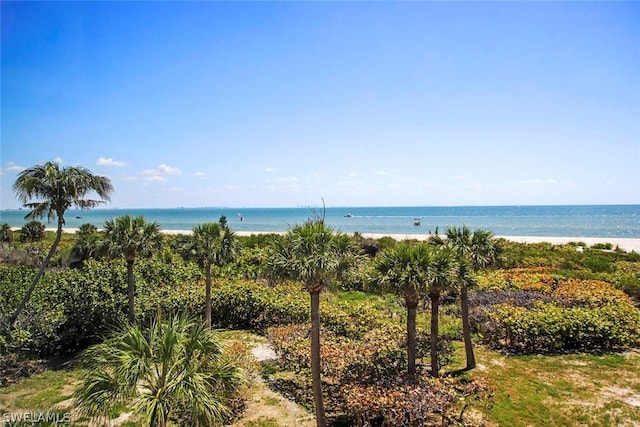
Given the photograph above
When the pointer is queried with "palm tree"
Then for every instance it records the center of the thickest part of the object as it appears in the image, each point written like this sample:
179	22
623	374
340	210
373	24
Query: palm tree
412	271
440	276
131	238
314	254
475	250
174	370
55	190
87	244
403	271
212	243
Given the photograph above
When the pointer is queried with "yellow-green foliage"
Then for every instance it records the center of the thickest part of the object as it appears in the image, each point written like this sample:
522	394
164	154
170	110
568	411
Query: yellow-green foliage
584	315
590	293
532	279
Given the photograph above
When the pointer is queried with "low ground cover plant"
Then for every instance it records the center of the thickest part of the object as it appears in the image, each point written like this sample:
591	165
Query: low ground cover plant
535	312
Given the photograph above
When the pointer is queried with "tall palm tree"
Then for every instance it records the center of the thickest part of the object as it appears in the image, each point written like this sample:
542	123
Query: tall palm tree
403	271
131	238
475	251
174	370
212	243
314	254
55	190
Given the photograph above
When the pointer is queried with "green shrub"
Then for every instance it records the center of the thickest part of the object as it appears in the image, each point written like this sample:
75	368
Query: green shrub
68	310
249	304
33	231
6	234
576	315
86	229
605	246
549	328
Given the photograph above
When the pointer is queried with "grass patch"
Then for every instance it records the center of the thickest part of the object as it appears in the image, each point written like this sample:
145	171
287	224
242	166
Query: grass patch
262	422
594	390
41	391
271	401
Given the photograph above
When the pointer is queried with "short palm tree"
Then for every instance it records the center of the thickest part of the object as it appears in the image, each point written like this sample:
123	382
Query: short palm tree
174	370
55	190
413	270
130	238
86	244
440	276
212	243
475	250
314	254
403	271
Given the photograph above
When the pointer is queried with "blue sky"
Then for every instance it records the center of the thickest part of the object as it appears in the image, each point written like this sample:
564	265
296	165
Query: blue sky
268	104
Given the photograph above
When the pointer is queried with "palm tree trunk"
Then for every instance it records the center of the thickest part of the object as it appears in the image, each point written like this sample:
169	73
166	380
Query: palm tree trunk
411	338
207	299
435	307
315	358
131	290
466	328
40	273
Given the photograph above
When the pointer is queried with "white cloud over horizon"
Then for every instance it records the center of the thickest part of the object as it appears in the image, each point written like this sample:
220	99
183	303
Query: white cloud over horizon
160	174
102	161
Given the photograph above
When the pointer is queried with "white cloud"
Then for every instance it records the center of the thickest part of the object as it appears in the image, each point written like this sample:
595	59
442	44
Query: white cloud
58	160
283	180
537	182
110	162
169	170
381	173
11	167
199	174
161	173
428	184
269	170
239	187
156	178
352	174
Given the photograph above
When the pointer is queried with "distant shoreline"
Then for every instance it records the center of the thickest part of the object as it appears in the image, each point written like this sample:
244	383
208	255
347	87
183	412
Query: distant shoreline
626	244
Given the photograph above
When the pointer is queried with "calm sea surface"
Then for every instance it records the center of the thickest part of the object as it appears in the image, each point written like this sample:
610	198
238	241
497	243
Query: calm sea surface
560	221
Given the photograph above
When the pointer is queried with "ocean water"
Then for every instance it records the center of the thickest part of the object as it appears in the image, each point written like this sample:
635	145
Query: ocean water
562	221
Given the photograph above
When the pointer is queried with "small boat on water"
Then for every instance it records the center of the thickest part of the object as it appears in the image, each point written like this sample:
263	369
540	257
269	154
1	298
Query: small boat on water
416	222
348	215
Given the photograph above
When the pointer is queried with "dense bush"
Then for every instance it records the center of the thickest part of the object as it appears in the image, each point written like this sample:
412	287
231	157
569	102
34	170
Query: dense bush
365	379
549	328
6	234
33	231
235	303
536	316
72	308
428	402
249	304
68	310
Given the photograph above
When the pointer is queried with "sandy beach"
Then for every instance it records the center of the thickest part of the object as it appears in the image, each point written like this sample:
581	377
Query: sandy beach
626	244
